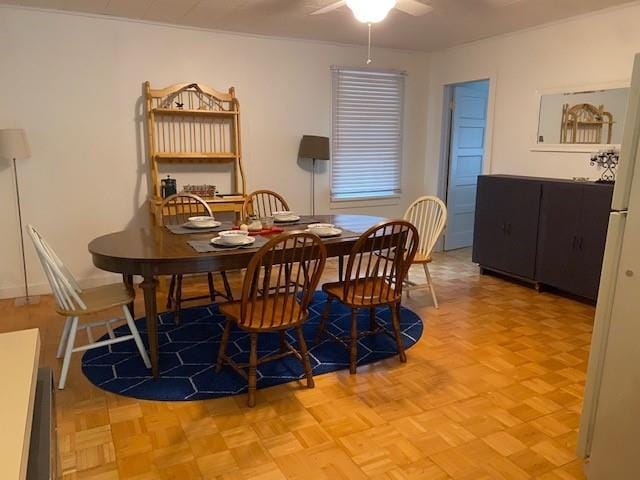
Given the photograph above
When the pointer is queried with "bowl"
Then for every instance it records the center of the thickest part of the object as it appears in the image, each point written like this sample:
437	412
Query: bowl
202	221
233	237
284	215
321	228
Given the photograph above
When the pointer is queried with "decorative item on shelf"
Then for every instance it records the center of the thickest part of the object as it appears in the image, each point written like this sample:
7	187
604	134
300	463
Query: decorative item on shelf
14	146
204	191
168	187
316	148
607	160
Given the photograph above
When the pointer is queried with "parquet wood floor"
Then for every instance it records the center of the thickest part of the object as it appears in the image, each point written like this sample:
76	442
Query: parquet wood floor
492	391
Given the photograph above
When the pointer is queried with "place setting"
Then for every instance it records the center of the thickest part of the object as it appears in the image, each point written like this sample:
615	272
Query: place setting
329	230
286	217
228	240
198	224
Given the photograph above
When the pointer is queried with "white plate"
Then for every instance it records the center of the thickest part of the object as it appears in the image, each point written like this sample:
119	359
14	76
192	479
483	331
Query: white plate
217	241
212	224
334	233
292	218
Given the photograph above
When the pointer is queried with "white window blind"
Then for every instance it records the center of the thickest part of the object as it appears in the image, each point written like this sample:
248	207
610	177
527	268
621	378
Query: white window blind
367	133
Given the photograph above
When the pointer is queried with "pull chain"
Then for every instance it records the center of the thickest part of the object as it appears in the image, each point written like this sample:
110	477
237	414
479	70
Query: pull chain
369	47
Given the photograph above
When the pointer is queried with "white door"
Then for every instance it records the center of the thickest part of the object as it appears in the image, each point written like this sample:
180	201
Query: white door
466	155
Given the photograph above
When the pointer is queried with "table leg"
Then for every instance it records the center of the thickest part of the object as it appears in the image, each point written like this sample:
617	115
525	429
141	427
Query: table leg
128	280
149	285
340	268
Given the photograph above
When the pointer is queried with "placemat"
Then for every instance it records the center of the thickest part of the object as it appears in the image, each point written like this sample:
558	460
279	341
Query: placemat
182	230
344	234
304	220
205	246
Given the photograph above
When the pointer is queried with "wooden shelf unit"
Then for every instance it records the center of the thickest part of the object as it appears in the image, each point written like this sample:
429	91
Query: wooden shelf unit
193	123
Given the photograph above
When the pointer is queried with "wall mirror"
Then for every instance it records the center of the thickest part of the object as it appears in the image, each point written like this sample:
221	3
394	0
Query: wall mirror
581	120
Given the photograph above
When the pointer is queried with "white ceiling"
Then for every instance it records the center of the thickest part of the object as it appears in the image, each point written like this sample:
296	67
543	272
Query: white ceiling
452	22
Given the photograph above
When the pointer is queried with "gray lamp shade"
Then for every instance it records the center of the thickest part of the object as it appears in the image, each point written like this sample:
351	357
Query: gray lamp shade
312	146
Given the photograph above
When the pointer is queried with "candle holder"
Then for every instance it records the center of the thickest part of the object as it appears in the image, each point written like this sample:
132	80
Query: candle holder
607	160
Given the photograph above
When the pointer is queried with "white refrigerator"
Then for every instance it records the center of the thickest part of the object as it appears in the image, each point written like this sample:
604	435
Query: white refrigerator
609	437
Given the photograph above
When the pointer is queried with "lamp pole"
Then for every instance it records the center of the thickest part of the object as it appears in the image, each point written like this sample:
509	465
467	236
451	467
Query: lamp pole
27	299
14	146
313	187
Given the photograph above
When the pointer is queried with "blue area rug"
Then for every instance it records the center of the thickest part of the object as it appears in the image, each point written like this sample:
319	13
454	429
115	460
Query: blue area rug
188	352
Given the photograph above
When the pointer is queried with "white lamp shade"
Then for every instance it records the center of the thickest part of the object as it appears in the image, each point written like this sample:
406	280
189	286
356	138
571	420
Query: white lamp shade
13	144
370	11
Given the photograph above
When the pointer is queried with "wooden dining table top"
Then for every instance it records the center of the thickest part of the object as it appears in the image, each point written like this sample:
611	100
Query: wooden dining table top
129	250
154	251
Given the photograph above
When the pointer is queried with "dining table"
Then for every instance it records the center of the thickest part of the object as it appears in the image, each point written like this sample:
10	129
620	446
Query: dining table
156	251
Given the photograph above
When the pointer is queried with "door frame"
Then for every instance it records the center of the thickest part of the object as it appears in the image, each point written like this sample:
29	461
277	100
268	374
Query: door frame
445	135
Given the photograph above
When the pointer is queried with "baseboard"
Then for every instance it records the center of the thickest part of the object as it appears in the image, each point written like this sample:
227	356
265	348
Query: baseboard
44	288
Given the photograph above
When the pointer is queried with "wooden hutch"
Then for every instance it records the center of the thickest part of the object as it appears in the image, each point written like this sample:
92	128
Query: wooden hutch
193	123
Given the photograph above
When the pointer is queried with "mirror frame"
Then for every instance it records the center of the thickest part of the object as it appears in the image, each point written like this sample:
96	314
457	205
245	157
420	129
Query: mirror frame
573	147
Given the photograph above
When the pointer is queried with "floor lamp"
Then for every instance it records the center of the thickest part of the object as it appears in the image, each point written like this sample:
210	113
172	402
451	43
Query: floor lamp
14	146
316	148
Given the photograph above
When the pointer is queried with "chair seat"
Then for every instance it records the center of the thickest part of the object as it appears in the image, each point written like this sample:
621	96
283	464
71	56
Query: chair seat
363	289
101	298
422	258
256	322
418	259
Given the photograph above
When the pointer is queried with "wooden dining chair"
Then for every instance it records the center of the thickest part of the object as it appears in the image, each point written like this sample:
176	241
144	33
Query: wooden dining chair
288	267
429	215
263	203
73	303
176	210
376	268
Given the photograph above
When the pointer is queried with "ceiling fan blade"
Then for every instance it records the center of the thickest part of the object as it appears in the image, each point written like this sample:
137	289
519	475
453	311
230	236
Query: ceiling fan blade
413	7
501	3
329	8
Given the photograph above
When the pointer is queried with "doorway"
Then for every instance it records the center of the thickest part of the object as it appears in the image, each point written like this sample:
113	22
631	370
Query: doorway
465	128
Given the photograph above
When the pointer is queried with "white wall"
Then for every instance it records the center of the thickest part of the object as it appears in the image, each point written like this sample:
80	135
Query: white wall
75	83
593	49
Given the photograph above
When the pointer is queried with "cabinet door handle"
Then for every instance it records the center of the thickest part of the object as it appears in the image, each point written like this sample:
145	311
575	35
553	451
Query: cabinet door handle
508	229
580	243
504	227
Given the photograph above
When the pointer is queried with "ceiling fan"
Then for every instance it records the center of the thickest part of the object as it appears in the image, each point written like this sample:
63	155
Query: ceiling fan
374	11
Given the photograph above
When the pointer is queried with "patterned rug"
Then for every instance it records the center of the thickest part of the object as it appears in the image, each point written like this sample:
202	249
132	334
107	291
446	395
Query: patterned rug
188	352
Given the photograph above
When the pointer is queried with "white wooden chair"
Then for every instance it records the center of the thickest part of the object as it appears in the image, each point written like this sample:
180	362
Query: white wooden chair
73	303
429	215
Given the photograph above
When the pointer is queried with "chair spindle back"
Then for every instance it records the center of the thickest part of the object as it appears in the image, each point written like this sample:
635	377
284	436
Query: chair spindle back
176	209
378	263
263	203
290	266
429	215
65	288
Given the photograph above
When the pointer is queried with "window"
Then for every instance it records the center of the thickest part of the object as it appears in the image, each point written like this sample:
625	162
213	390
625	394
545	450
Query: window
367	133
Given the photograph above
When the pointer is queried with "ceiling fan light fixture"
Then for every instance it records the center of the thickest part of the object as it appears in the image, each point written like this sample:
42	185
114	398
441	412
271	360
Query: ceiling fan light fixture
370	11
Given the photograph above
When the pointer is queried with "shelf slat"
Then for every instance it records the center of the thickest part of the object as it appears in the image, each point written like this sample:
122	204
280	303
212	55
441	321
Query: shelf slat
194	113
195	157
